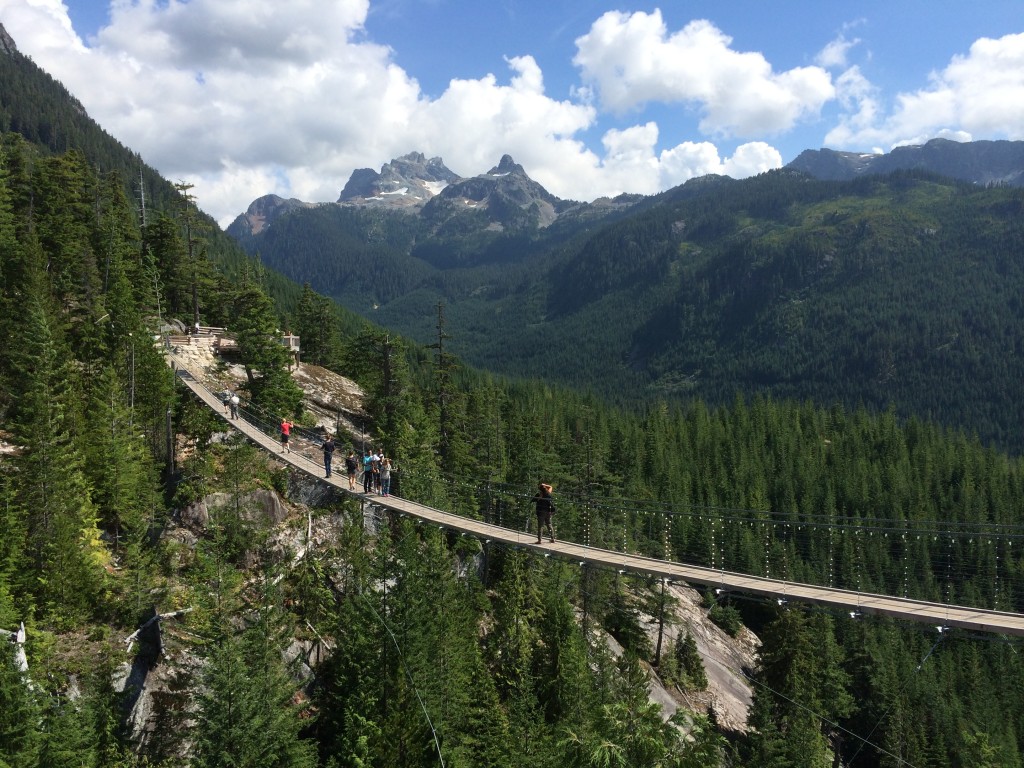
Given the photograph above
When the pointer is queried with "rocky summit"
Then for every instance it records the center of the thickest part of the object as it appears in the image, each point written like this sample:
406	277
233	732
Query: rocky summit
263	210
408	181
504	198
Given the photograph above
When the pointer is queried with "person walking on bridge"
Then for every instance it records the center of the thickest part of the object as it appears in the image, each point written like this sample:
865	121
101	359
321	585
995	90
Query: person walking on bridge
286	430
351	467
385	476
328	448
545	508
233	405
368	472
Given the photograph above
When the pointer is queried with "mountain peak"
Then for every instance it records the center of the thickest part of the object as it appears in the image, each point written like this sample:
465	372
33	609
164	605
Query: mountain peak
511	198
506	166
407	181
6	42
262	211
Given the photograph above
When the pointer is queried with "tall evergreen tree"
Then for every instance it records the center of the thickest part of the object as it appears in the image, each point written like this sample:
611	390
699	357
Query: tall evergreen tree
20	714
265	359
799	691
51	488
317	327
248	716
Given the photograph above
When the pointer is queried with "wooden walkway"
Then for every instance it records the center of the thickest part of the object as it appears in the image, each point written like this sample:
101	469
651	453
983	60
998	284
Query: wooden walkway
857	603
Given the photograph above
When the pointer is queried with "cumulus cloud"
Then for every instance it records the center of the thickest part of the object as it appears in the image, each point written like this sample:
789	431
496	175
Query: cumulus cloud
247	97
631	59
690	160
977	94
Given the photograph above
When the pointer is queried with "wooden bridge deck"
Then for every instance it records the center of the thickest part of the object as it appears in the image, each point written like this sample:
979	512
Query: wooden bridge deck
939	614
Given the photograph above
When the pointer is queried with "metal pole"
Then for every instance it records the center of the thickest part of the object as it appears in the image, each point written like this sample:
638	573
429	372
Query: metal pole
170	448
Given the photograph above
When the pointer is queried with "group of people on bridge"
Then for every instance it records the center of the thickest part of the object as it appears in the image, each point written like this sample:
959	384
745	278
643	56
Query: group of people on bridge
377	469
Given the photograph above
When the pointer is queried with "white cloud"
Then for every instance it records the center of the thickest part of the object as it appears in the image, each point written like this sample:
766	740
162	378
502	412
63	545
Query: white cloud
690	160
631	59
751	159
978	94
835	54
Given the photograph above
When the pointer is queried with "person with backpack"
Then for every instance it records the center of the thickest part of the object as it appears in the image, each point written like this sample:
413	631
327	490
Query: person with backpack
545	509
351	467
328	449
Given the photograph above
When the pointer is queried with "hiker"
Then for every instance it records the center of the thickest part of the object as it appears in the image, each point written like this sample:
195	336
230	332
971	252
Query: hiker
545	508
328	448
368	472
351	466
376	471
233	405
385	476
286	430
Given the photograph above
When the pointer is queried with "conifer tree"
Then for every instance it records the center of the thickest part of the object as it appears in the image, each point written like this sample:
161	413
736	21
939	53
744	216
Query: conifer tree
791	698
690	663
20	712
511	647
51	487
317	327
64	194
164	255
119	466
69	739
247	713
265	359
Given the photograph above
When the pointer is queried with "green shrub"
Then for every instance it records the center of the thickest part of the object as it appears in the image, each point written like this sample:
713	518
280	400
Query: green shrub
726	617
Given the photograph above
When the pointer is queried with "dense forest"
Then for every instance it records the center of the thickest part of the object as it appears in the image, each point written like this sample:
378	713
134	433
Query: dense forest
441	650
900	290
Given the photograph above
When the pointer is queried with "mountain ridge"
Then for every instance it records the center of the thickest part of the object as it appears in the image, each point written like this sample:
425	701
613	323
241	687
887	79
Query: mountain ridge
979	162
511	199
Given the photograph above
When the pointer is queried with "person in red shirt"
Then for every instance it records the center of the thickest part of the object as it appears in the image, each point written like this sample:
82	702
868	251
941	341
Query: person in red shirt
286	430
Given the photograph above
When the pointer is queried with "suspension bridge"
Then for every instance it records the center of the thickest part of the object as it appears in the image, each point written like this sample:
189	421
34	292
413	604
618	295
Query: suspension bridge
855	602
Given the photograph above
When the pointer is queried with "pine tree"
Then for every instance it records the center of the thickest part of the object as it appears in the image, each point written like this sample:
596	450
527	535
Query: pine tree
789	701
166	267
120	468
51	488
20	713
690	663
265	359
247	714
317	327
69	739
511	649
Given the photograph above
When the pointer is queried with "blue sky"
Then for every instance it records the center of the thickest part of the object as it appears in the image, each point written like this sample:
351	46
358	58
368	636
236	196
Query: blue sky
249	97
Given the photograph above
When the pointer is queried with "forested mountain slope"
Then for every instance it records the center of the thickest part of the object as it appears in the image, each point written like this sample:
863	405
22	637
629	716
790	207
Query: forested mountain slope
899	290
38	108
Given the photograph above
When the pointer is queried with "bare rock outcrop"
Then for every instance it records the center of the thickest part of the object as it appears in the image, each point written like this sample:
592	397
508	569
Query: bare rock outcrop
252	505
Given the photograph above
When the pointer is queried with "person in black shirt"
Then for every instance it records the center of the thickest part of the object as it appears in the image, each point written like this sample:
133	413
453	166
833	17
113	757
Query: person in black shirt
351	467
328	448
545	508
